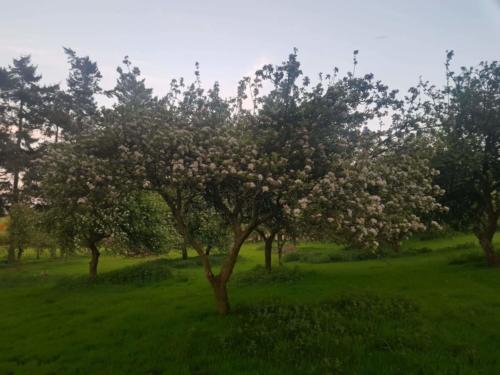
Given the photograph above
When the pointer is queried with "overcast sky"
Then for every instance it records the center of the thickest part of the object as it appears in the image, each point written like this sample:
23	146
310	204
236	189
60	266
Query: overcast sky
398	40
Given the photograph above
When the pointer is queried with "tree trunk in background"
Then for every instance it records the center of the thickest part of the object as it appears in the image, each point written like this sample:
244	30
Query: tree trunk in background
396	246
184	250
220	294
281	243
268	250
11	253
94	260
486	243
20	252
485	234
38	250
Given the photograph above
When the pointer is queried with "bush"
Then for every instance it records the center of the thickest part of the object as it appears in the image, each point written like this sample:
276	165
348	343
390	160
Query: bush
259	274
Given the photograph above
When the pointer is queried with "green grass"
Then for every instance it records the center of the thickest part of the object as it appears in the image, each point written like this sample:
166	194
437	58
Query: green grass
432	312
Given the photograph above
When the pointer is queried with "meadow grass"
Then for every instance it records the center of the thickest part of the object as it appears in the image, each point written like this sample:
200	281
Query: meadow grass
432	312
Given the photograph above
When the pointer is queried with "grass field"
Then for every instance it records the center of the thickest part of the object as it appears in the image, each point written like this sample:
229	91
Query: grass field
434	310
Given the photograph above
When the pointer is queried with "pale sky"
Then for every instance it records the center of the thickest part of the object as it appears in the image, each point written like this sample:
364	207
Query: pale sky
398	40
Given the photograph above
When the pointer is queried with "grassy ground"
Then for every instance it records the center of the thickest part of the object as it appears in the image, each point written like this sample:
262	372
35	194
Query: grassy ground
414	314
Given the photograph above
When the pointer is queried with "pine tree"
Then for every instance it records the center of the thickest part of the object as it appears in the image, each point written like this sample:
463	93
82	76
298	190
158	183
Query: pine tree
79	101
25	117
130	90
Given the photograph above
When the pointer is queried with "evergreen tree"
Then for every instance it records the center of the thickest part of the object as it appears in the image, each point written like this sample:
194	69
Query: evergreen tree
25	115
79	101
130	90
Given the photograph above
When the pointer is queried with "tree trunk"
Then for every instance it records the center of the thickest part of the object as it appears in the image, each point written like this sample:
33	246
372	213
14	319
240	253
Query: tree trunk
268	250
184	251
485	234
20	252
15	185
11	253
489	250
396	246
281	243
38	250
220	294
207	250
94	260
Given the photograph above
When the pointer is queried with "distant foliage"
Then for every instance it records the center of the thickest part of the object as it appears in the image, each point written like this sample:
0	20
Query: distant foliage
21	226
26	228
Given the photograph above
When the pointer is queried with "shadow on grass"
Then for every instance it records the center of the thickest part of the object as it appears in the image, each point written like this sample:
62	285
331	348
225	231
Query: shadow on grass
314	255
141	274
259	275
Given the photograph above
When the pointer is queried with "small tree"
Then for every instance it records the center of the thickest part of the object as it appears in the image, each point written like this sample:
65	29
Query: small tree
84	195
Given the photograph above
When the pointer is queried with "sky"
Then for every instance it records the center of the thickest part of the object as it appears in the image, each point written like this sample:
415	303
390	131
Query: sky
398	40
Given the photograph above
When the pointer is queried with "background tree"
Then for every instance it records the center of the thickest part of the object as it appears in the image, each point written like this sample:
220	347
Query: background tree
79	107
22	227
25	115
469	161
461	121
80	188
131	94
